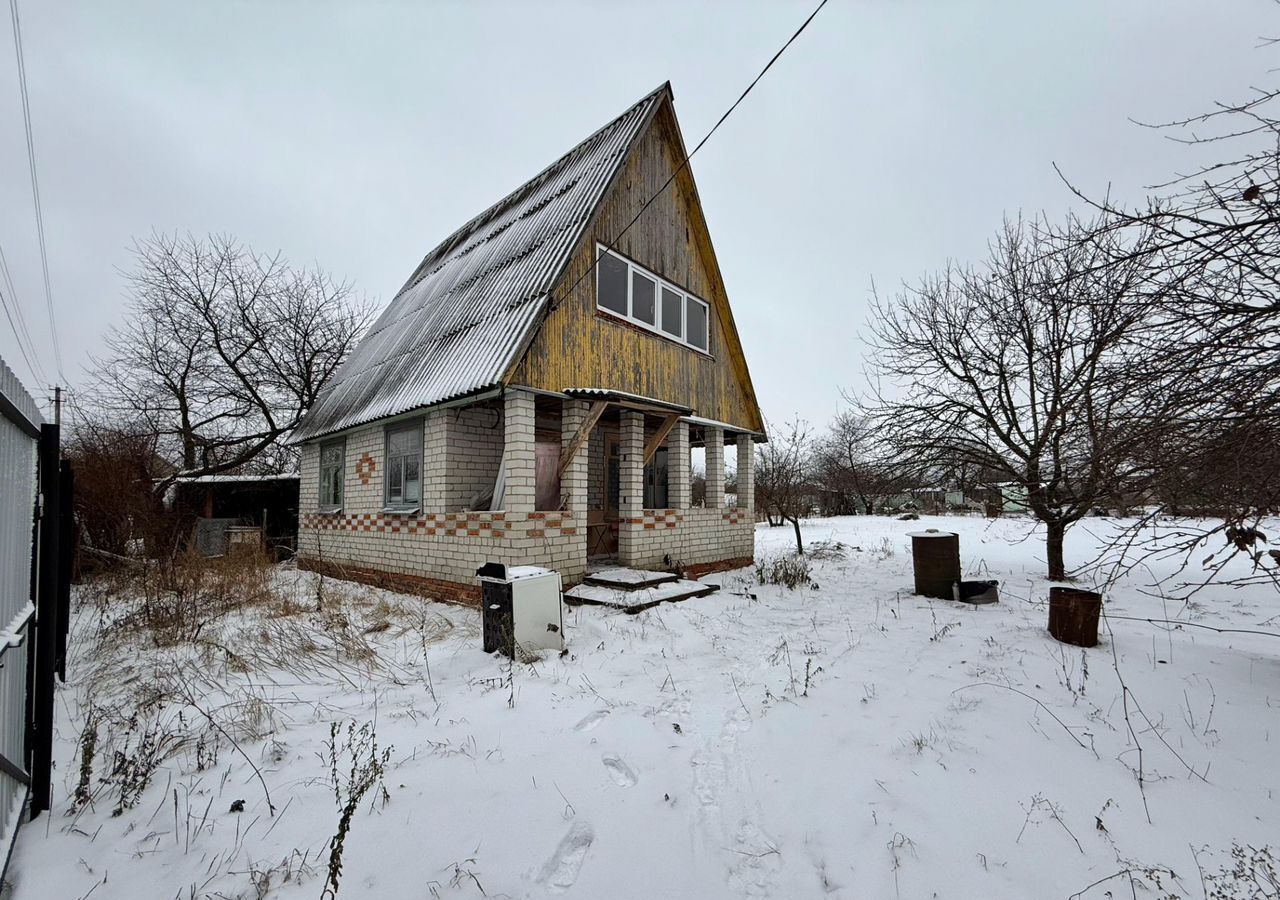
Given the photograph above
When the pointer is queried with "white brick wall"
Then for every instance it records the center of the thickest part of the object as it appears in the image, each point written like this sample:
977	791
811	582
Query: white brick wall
746	473
659	538
462	451
715	467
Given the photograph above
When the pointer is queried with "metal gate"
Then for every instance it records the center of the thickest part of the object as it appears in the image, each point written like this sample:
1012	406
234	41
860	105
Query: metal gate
34	602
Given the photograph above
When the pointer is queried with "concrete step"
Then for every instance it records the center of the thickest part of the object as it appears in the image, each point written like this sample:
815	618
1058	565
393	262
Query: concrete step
622	578
635	599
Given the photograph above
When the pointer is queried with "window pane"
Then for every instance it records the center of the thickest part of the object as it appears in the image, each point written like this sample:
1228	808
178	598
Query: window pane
611	283
697	324
643	298
331	455
394	480
672	312
404	441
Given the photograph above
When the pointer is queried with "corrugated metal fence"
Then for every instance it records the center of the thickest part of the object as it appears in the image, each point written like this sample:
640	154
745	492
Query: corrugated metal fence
34	593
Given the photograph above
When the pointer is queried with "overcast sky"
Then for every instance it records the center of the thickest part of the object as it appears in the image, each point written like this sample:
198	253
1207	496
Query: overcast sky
891	137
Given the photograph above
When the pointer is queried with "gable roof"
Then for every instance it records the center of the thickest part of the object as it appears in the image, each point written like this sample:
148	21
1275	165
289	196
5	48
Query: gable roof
460	321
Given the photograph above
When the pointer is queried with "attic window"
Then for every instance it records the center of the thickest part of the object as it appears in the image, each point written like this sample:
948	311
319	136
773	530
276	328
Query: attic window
642	298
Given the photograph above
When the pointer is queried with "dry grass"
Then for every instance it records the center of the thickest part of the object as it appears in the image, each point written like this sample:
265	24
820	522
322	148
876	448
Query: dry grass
179	663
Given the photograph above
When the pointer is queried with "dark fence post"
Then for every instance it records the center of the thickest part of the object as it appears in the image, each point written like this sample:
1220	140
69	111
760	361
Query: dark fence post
66	561
46	642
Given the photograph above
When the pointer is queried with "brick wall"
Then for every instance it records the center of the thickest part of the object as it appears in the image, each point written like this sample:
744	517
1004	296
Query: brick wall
444	546
462	452
688	537
441	545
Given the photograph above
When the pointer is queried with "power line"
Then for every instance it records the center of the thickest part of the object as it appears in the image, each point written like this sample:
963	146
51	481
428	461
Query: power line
20	332
35	182
685	162
21	347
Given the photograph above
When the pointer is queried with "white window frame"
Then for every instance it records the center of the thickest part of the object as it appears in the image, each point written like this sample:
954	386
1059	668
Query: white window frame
403	506
662	283
342	476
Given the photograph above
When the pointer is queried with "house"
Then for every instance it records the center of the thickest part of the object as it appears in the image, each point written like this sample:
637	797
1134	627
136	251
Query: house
533	392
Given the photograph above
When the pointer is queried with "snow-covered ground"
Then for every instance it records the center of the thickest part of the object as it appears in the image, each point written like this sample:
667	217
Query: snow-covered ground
848	740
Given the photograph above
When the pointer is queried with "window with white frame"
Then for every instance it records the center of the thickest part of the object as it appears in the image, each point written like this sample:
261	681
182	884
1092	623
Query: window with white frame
633	293
332	461
403	474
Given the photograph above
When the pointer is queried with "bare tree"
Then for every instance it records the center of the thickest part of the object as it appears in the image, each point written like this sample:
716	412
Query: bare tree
1022	368
782	485
852	468
222	351
1216	231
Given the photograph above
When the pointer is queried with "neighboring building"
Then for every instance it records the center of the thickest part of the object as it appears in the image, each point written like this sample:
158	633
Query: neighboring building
222	509
517	402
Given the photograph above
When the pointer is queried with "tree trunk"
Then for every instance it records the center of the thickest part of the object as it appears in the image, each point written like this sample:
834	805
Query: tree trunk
1053	546
795	523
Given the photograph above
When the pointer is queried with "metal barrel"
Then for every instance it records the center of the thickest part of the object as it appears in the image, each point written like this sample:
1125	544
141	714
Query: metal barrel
936	558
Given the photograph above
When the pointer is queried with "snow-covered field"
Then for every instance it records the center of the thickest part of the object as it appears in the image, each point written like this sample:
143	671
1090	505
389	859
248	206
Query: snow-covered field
848	740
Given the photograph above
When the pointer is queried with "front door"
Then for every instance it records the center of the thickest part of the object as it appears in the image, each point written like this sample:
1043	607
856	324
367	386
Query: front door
602	524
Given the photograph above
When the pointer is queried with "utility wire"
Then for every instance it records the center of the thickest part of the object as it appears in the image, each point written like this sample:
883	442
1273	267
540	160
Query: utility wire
684	164
20	332
21	347
35	183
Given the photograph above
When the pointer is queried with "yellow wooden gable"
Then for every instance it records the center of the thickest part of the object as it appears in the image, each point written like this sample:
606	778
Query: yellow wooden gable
579	346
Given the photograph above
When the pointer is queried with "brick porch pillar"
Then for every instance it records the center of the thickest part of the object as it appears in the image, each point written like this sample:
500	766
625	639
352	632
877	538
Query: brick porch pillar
679	493
630	486
573	480
518	451
715	467
746	472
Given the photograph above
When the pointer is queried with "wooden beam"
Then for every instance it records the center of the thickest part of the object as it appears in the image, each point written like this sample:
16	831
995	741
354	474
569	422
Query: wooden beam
581	435
659	436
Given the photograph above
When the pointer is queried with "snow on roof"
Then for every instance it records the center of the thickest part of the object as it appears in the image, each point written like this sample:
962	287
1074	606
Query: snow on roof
464	315
232	479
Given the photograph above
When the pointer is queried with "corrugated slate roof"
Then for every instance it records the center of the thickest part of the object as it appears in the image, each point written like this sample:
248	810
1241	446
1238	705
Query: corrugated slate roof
458	323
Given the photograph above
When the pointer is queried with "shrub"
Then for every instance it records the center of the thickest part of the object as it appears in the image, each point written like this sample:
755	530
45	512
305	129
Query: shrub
789	570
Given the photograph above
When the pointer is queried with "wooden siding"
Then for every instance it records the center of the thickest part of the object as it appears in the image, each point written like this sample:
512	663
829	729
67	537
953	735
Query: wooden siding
579	347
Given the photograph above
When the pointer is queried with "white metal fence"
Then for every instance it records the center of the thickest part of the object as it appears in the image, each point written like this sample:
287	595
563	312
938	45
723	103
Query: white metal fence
20	423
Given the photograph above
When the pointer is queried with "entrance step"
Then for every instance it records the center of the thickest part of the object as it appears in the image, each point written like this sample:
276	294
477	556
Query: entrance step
636	599
623	578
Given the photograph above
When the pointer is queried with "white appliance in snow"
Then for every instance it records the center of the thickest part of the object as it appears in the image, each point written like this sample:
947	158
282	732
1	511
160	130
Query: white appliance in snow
536	610
521	606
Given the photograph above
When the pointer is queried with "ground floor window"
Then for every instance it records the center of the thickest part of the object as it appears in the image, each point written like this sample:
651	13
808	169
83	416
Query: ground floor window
332	462
404	465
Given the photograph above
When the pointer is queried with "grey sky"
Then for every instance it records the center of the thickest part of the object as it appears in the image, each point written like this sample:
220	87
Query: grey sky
892	136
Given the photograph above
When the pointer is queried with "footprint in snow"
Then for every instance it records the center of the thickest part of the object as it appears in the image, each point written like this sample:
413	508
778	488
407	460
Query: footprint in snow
561	870
621	773
591	720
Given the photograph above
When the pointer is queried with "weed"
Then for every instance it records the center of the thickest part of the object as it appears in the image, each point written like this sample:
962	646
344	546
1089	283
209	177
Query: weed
789	570
364	766
1253	875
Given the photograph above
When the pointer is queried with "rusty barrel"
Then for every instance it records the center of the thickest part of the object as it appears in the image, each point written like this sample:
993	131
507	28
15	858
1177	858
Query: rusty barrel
1073	615
936	558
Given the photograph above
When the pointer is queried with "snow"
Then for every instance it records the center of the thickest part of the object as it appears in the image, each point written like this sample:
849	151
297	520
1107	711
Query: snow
636	598
623	576
847	740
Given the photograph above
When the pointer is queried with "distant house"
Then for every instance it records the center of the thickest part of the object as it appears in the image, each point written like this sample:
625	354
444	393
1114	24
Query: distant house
532	393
